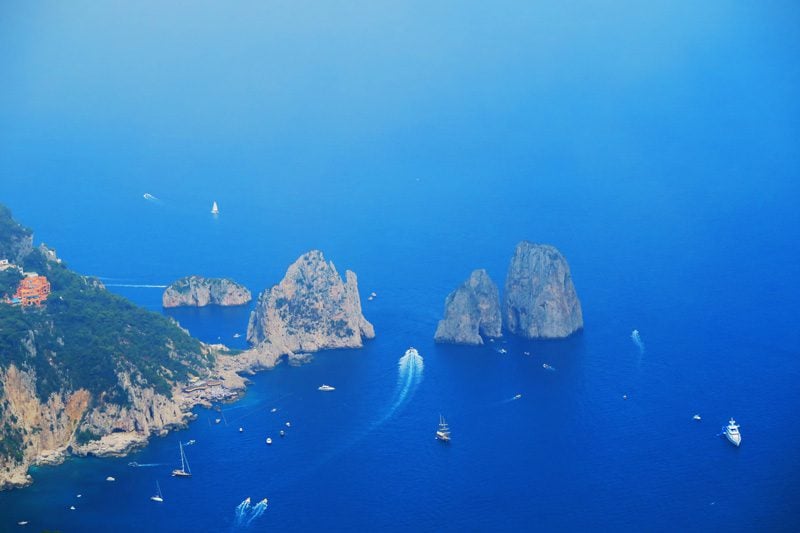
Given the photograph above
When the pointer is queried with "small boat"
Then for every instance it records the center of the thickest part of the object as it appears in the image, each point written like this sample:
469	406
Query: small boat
241	430
288	424
269	440
548	367
22	523
624	396
732	432
282	433
71	507
491	340
237	335
133	464
697	417
518	396
79	495
502	350
371	298
109	478
189	443
214	209
526	353
443	433
273	410
326	388
157	497
184	471
374	294
217	420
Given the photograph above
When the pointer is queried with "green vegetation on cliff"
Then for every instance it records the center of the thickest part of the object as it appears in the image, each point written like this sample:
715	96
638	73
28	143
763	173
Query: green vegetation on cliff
85	336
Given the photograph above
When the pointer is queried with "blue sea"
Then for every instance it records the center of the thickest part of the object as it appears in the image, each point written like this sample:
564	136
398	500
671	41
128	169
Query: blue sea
655	144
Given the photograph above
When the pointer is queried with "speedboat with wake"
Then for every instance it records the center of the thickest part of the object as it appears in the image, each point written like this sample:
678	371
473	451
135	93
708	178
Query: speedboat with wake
731	432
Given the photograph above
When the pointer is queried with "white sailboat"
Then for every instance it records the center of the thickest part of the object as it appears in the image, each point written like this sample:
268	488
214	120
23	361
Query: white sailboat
158	497
443	433
214	208
184	471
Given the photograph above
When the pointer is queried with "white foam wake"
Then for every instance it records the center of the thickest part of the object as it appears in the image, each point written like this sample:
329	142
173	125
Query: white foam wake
637	340
246	513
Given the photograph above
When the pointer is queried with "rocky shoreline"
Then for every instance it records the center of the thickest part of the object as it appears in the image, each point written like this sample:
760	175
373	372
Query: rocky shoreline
228	385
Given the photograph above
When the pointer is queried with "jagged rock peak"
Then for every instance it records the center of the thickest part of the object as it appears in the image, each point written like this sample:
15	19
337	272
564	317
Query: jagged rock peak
311	309
472	310
540	299
197	291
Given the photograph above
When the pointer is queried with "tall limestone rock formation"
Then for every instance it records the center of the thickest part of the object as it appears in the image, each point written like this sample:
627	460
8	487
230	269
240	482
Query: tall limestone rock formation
472	310
311	309
540	299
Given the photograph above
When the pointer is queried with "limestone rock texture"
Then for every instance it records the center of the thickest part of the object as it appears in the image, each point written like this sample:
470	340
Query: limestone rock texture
471	312
311	309
540	301
197	291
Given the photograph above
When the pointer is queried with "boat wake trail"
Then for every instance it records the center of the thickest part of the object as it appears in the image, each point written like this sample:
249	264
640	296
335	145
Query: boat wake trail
637	340
409	376
136	285
144	465
246	512
150	198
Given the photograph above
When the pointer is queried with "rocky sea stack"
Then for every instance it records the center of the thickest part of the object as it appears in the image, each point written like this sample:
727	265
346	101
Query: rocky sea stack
311	309
470	311
197	291
540	300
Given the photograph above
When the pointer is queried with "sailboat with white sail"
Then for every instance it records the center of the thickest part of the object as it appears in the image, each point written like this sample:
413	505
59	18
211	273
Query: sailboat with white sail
184	471
157	497
443	433
214	208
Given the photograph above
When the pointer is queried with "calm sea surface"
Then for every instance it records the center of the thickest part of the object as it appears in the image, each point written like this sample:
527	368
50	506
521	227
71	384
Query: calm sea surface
655	145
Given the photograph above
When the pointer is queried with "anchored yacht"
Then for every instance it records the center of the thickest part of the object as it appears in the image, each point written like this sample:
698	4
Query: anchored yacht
443	433
184	470
732	432
326	388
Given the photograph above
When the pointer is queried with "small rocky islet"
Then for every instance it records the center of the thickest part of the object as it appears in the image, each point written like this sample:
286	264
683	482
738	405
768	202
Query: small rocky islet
539	301
197	291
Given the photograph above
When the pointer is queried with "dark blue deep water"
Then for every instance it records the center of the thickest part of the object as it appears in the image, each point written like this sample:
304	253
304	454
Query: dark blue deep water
655	144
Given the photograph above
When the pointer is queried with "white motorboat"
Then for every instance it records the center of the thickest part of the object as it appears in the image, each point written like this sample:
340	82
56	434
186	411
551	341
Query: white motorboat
326	388
697	417
109	478
215	209
269	440
732	432
518	396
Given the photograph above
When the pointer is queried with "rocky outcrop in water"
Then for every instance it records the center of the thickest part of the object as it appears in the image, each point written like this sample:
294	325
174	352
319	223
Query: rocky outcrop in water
540	299
197	291
311	309
470	311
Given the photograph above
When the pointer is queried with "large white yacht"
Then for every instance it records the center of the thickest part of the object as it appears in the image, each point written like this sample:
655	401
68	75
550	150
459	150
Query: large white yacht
732	432
326	388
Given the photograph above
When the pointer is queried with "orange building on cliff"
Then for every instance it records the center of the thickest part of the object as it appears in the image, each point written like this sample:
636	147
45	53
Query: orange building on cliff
33	290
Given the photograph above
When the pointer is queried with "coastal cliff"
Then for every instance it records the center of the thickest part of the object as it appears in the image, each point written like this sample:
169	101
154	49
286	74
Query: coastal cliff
85	371
197	291
471	311
540	299
311	309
